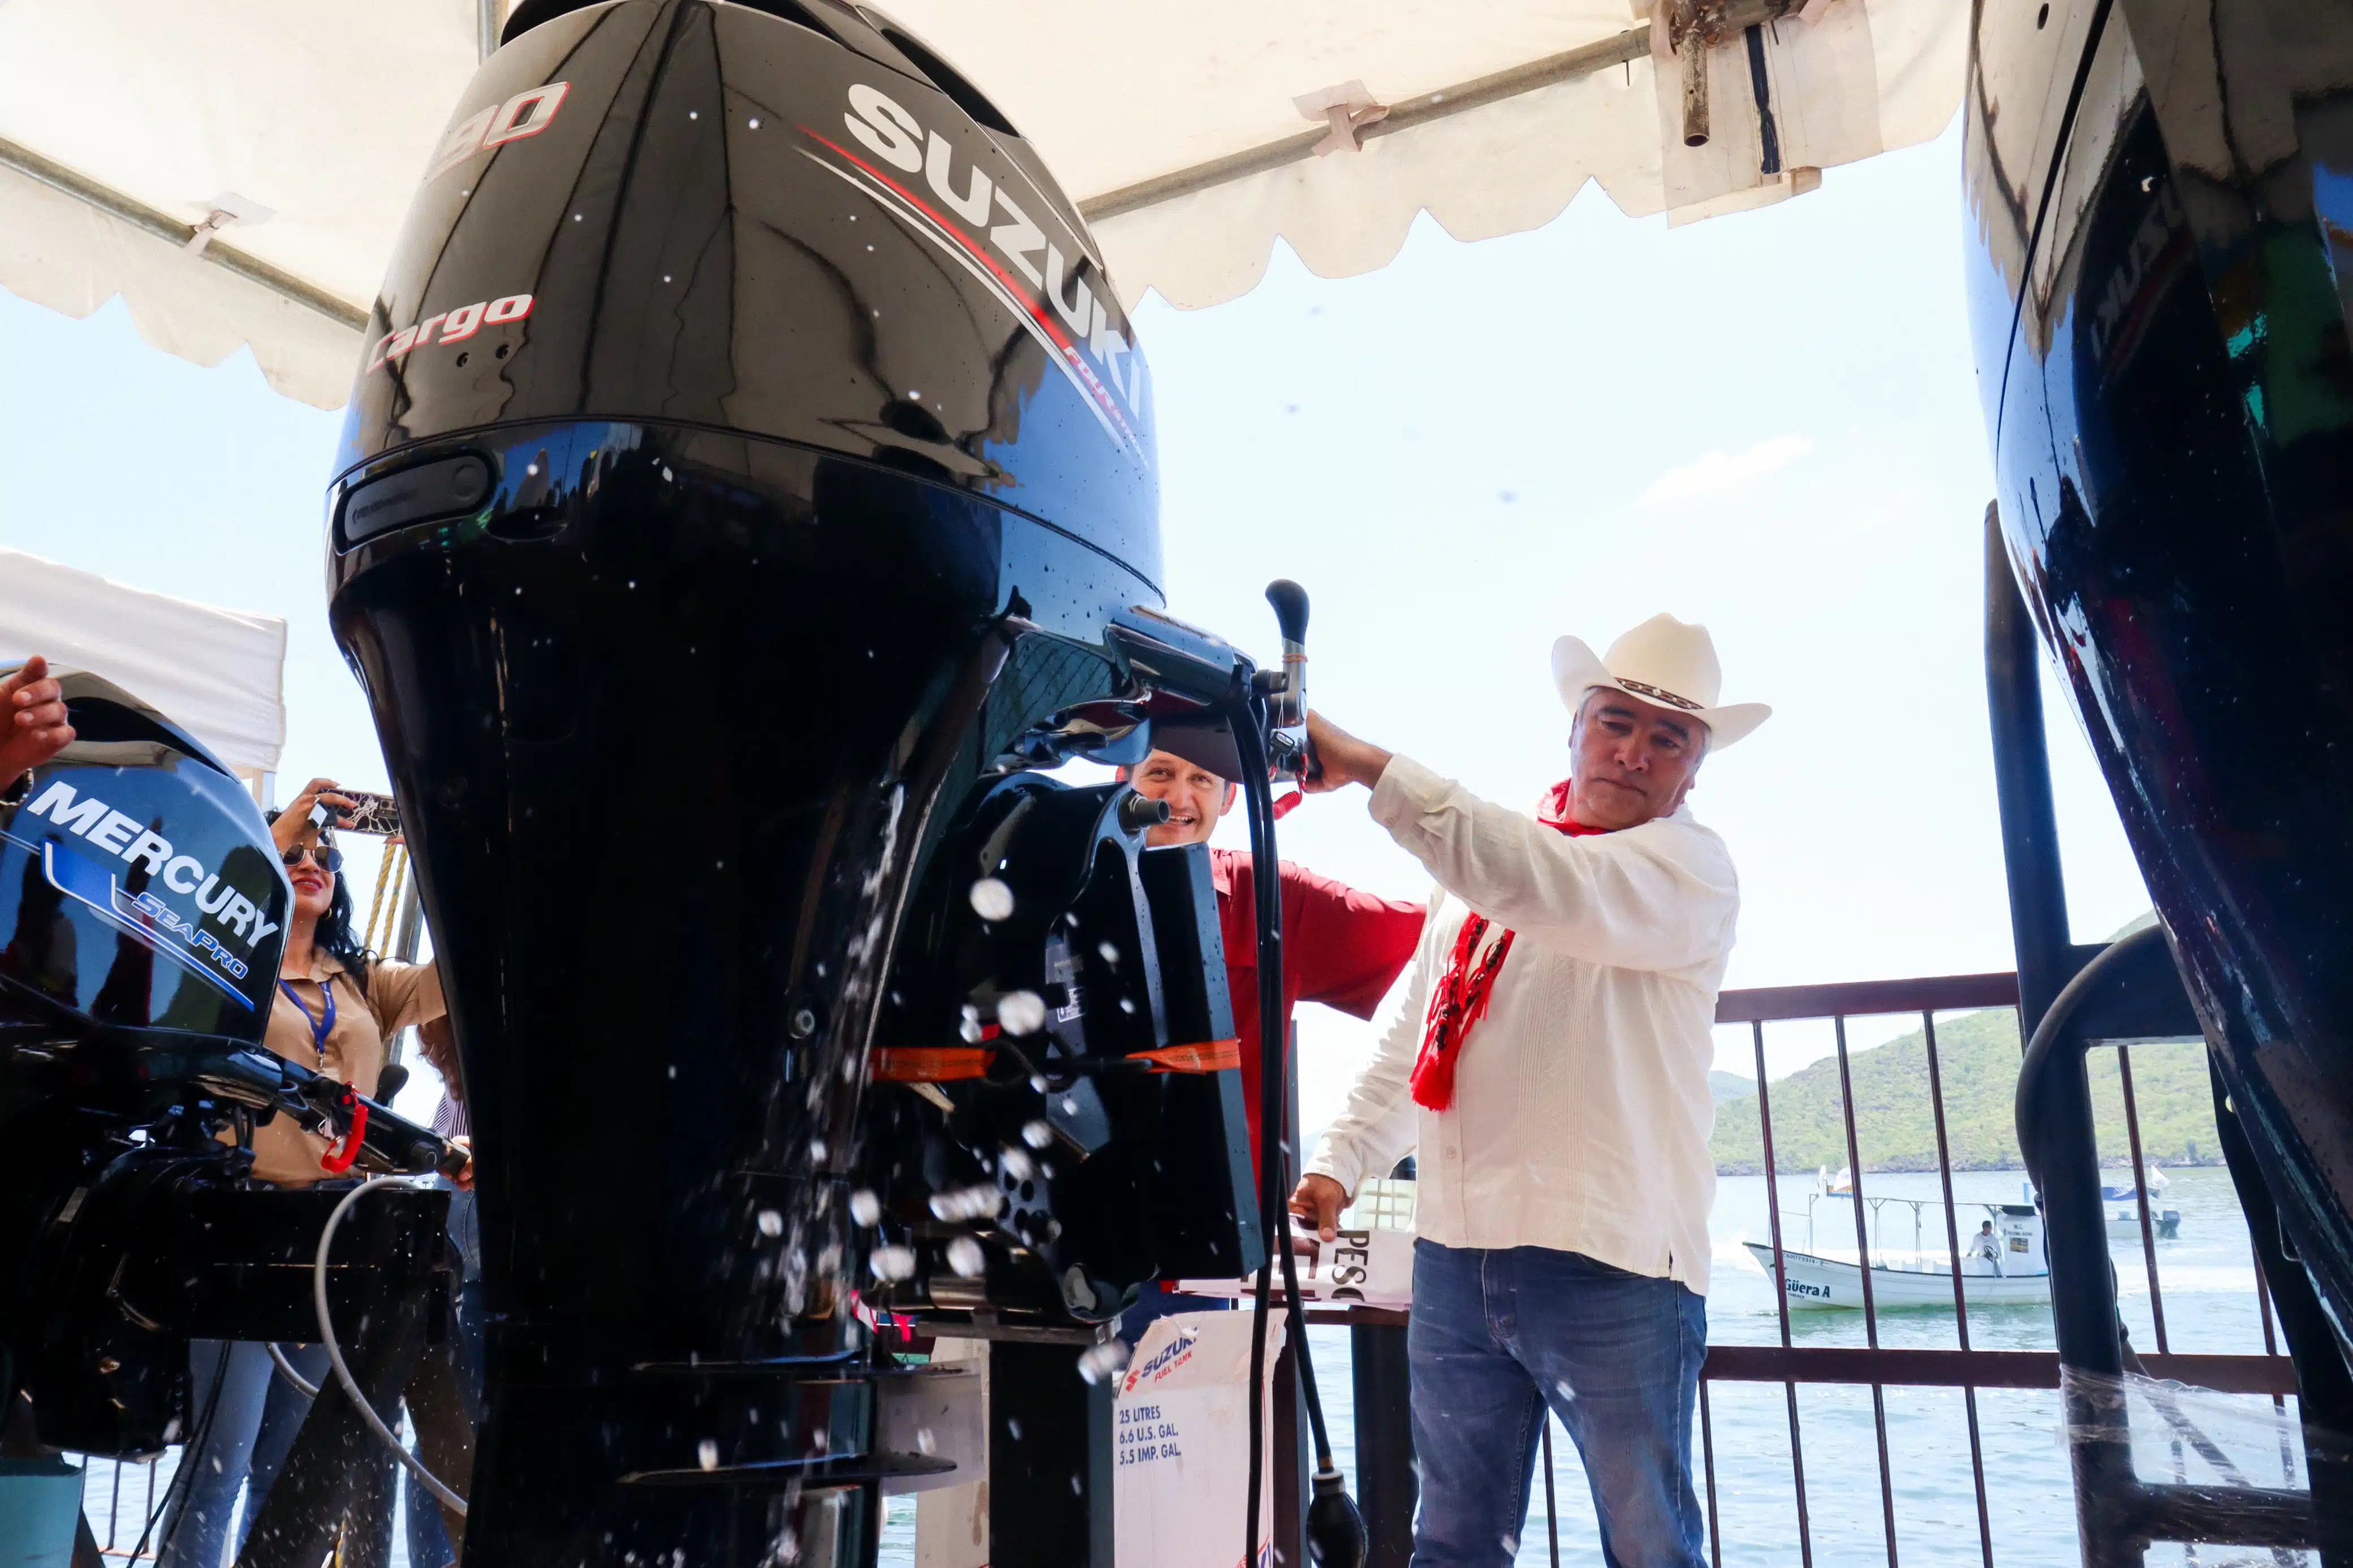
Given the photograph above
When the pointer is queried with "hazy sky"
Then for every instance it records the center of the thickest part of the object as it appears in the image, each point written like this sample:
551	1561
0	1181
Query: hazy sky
1767	423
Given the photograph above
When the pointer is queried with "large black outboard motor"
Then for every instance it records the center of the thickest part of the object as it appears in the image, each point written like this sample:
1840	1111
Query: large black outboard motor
143	911
750	484
2162	291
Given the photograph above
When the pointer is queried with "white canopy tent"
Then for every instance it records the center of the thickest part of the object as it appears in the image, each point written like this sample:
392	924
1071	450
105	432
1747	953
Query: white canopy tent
238	171
220	674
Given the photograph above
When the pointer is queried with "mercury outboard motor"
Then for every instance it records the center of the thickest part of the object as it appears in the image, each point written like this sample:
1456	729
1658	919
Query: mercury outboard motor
749	487
142	910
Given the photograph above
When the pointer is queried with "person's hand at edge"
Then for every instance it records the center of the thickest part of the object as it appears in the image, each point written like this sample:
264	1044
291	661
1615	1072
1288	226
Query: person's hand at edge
295	820
1341	758
465	1176
36	727
1318	1200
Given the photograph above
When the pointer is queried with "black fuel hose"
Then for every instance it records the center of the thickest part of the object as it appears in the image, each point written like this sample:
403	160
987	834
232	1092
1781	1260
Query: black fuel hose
1336	1530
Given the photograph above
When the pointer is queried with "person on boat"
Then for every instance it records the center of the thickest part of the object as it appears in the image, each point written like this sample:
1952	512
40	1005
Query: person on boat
1988	1245
1341	946
337	1006
1550	1067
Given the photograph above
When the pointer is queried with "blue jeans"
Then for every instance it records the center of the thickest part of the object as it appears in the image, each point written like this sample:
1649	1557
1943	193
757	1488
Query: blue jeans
252	1432
428	1543
1496	1336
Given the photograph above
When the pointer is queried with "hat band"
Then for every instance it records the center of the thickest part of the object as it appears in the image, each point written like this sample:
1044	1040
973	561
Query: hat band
1669	698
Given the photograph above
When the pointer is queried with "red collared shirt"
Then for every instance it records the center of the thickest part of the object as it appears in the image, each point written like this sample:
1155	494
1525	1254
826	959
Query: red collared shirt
1341	946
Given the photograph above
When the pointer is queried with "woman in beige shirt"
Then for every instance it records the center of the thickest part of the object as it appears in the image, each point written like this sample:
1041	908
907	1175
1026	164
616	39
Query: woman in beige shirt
338	1005
336	1008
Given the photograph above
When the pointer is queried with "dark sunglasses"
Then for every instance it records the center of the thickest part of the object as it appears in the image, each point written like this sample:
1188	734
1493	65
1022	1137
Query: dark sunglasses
326	856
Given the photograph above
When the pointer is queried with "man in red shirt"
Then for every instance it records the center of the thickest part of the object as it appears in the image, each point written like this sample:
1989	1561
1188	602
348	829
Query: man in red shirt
1341	946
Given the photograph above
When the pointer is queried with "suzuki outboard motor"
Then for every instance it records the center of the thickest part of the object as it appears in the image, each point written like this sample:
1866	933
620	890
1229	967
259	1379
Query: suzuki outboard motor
749	484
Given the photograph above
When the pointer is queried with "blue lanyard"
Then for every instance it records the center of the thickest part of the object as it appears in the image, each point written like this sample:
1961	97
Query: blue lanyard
320	1028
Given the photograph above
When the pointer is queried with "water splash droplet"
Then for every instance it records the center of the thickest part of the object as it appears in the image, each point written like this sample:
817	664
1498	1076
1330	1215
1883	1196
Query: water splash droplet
706	1454
1021	1011
893	1263
865	1207
1105	1358
965	1257
992	900
1037	1134
771	1223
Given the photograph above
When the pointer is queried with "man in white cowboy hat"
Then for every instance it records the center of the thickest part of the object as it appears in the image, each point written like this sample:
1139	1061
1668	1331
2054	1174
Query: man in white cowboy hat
1550	1066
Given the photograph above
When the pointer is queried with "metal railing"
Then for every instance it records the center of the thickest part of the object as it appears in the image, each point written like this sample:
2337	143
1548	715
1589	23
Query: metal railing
1384	1445
1965	1366
119	1497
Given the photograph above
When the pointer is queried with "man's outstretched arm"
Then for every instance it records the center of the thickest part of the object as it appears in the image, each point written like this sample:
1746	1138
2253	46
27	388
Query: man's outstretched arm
1651	897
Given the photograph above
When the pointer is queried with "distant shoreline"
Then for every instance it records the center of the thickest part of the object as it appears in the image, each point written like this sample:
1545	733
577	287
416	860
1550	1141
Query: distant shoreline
1977	1058
1927	1166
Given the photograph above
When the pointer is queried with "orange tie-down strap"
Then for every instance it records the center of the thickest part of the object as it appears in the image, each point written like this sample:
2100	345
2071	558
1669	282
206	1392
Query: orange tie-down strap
951	1064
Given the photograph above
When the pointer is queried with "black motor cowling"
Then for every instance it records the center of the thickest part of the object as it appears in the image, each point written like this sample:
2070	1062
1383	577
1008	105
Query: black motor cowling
2163	343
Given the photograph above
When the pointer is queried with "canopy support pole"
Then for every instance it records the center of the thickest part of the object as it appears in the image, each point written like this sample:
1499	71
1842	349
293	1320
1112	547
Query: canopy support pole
1625	47
164	226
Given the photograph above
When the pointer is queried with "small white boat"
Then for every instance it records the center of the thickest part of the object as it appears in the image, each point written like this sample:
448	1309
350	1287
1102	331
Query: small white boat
2123	1204
2004	1267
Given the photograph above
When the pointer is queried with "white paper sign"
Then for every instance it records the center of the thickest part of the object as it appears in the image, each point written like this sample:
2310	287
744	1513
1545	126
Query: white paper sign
1370	1268
1180	1438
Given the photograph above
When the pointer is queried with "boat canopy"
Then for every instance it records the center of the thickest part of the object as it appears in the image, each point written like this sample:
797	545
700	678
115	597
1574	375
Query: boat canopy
218	673
237	170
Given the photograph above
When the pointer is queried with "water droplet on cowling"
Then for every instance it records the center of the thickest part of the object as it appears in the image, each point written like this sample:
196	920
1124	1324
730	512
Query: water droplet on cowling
970	1030
992	900
1037	1134
771	1223
865	1207
1126	1004
1021	1011
1105	1358
893	1263
1036	1083
707	1455
1018	1165
817	1150
925	1444
1110	954
1013	1430
965	1257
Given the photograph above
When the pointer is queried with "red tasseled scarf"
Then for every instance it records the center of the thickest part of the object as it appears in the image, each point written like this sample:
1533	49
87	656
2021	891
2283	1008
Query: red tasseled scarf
1462	992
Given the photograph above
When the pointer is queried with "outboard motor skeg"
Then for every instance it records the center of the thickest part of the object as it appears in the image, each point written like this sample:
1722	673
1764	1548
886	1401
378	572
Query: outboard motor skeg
748	462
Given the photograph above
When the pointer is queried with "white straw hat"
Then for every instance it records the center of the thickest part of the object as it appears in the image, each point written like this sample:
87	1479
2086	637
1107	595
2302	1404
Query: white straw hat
1666	663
